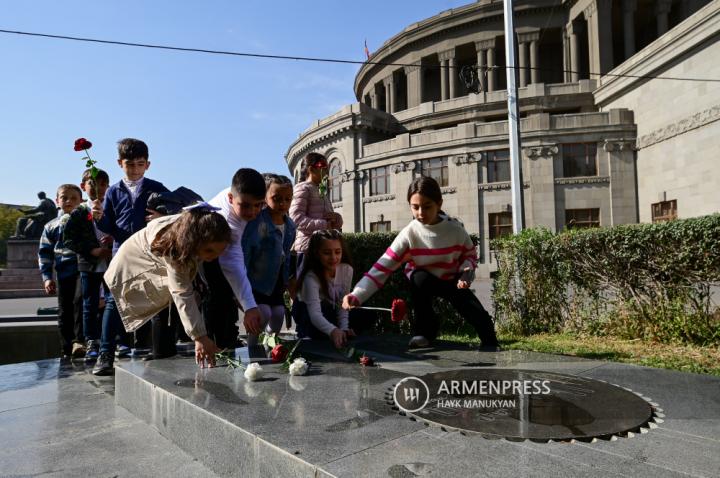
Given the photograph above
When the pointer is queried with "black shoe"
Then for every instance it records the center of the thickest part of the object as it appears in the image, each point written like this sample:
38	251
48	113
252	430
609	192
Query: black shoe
93	351
104	364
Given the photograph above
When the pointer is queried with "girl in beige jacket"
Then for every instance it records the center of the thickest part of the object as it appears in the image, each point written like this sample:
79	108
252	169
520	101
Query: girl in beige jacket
158	264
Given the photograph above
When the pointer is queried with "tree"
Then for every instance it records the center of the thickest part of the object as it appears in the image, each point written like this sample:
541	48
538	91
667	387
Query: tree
8	218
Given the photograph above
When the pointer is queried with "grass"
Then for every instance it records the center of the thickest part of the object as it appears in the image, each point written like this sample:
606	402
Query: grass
685	358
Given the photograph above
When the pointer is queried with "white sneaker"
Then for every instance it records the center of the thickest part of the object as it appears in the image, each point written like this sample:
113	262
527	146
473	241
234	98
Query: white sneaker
418	342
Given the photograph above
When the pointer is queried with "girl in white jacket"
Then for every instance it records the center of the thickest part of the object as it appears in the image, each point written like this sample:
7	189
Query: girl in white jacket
158	264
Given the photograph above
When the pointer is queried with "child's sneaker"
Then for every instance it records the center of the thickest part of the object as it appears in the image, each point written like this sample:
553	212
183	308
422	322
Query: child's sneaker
418	342
78	350
122	351
93	350
104	364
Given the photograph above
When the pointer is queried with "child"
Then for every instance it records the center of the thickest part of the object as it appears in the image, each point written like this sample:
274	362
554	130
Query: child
326	276
124	213
227	277
52	252
440	260
310	210
82	236
266	245
157	265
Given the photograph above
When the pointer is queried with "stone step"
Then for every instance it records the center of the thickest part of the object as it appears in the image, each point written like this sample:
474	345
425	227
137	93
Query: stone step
8	284
20	272
21	293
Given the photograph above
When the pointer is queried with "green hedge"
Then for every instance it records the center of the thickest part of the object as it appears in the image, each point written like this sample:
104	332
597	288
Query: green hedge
366	248
649	281
8	218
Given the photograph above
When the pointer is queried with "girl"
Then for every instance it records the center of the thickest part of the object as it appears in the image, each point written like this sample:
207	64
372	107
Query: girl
326	276
311	211
266	245
440	259
157	265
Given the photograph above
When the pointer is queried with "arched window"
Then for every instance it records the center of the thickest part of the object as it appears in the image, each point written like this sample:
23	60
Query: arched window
334	184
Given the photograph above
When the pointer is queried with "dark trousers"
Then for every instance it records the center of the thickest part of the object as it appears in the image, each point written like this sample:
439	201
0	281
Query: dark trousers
220	310
111	325
70	324
164	332
90	283
424	286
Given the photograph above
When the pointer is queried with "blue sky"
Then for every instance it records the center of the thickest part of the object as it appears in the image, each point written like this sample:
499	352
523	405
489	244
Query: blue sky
203	116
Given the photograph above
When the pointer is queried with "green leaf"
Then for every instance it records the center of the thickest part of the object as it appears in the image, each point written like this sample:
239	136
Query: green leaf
88	164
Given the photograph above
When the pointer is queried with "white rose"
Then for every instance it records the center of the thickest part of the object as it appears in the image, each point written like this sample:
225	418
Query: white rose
300	359
253	372
298	367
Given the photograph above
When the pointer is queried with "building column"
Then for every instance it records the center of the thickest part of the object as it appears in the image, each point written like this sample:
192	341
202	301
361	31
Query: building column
481	69
414	85
374	100
538	169
662	9
572	31
599	19
481	48
390	99
621	169
492	71
445	76
522	63
532	73
629	7
452	77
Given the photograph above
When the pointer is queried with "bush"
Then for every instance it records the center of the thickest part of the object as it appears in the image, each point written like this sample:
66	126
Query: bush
8	218
366	248
648	281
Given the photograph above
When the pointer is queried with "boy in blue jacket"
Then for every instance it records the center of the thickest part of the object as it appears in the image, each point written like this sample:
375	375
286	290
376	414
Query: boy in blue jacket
123	213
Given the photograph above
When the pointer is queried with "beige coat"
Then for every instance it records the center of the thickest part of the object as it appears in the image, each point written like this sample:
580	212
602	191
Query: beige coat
143	284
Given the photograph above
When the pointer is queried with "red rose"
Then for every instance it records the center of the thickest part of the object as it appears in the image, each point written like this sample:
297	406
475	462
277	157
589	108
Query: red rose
81	144
398	310
279	353
89	216
367	361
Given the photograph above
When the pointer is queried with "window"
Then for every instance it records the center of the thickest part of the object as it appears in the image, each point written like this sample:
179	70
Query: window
498	165
582	218
579	159
334	184
664	211
380	226
500	224
379	180
435	168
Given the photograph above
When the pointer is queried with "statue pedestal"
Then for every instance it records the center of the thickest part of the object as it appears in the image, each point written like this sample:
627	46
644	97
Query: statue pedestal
22	277
22	253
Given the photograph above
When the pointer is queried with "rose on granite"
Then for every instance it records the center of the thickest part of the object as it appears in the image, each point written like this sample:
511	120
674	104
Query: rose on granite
279	353
367	361
253	372
298	367
398	310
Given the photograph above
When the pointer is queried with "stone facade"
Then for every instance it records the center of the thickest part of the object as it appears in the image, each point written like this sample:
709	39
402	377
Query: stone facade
578	155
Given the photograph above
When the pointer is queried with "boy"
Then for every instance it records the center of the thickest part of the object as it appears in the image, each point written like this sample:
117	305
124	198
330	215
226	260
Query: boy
227	276
53	253
82	236
124	212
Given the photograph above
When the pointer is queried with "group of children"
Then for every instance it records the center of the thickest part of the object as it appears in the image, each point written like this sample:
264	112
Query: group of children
246	247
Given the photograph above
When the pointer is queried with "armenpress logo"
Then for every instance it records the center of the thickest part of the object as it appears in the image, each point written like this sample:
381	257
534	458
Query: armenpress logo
411	394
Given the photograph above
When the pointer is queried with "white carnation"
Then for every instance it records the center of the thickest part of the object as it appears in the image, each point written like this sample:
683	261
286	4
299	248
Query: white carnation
253	371
298	367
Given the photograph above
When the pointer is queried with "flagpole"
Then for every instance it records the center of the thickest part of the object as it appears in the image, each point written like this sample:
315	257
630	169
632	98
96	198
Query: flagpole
516	186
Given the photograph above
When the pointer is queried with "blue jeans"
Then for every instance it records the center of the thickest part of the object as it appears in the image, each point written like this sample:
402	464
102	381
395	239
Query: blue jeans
111	325
90	286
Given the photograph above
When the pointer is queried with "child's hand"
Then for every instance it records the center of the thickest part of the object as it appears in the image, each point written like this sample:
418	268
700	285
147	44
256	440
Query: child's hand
205	350
350	333
101	252
106	241
350	301
465	279
463	284
253	321
97	210
50	288
153	215
338	338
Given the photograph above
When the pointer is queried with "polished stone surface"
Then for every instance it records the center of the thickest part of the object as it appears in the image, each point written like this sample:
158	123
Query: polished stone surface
57	420
337	420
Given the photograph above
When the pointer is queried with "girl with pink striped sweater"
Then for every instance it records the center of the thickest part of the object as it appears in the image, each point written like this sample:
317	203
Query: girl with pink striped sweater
440	262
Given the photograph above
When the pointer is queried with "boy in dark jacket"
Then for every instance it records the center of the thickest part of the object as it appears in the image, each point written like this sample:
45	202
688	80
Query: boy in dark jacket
124	212
82	236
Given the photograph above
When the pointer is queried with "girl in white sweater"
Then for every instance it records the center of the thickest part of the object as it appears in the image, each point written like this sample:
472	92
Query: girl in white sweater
440	261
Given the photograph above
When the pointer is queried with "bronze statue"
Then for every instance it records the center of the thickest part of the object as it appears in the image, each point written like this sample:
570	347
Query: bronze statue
31	226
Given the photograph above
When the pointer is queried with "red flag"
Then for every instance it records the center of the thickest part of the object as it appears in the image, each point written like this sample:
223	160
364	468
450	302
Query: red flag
367	52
